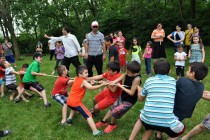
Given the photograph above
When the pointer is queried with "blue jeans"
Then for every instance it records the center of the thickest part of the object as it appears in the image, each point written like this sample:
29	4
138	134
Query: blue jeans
148	66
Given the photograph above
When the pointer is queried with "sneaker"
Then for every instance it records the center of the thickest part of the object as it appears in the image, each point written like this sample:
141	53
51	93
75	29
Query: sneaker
16	100
97	133
53	72
6	132
69	121
101	124
110	128
48	104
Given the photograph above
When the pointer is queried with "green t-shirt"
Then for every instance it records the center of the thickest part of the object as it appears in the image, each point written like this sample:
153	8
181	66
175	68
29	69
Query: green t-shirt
33	67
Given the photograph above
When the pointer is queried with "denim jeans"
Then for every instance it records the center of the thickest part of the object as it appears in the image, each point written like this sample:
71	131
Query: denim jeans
148	66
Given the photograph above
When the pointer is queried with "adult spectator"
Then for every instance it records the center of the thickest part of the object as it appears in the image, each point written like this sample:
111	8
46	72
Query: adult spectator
7	47
188	34
51	45
196	32
39	43
158	36
71	45
94	46
177	37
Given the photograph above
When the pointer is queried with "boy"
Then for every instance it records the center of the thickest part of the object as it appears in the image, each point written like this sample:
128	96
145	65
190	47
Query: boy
2	75
157	113
180	58
113	51
109	95
59	92
76	95
11	82
126	100
29	78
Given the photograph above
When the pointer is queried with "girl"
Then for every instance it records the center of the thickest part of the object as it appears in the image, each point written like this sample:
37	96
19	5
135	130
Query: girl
196	52
74	100
59	52
135	50
122	57
147	56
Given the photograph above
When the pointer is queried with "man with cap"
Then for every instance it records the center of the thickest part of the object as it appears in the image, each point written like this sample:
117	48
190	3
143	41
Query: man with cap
72	48
95	49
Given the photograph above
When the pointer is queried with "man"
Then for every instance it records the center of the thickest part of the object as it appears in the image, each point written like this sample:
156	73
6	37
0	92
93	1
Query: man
95	49
72	48
51	45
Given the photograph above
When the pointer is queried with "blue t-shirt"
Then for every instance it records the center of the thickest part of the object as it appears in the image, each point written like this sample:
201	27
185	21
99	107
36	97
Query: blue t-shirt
178	36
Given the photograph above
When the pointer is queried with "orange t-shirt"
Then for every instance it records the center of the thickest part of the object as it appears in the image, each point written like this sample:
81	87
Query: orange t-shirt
21	77
60	86
77	93
157	32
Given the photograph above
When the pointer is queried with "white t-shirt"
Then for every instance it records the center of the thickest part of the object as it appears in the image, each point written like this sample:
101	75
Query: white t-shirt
51	44
180	56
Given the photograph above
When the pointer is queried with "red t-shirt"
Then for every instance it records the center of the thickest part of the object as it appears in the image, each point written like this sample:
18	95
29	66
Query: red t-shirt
77	93
60	86
2	73
117	93
122	56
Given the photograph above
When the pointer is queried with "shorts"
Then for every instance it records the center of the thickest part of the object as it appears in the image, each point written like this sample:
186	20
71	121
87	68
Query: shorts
171	132
119	108
35	85
82	110
10	58
12	87
2	81
180	71
60	98
103	101
206	122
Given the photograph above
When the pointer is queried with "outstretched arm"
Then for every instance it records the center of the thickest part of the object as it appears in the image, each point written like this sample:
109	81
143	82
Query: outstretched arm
206	95
91	87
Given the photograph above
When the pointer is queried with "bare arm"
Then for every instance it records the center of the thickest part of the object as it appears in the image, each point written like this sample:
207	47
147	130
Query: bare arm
140	97
97	77
104	51
206	95
15	72
70	82
203	53
38	74
169	37
118	79
91	87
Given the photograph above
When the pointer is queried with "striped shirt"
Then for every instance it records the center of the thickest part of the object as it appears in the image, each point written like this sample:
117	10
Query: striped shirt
95	42
158	109
9	76
158	32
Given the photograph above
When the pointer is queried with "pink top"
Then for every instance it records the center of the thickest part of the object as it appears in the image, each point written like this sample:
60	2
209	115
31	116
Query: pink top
147	54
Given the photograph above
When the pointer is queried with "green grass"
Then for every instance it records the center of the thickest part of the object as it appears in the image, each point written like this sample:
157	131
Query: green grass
32	121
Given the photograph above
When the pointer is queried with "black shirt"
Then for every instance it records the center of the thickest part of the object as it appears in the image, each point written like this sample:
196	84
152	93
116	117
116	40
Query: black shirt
113	51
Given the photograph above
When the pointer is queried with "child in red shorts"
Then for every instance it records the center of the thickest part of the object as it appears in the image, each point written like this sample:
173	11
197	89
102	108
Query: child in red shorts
109	95
122	56
76	95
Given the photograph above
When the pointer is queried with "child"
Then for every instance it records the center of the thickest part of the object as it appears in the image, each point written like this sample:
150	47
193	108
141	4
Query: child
59	52
147	56
109	95
127	99
122	56
76	94
39	49
180	58
135	50
29	78
59	92
113	51
196	52
11	82
157	113
2	75
84	43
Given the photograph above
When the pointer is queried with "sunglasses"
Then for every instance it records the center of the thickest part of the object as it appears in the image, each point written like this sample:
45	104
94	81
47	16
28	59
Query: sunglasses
95	26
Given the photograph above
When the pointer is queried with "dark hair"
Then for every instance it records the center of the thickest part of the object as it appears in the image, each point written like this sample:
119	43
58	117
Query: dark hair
80	69
200	69
161	66
6	38
200	41
150	43
133	67
134	38
114	66
60	69
108	39
179	25
36	55
67	29
180	46
25	66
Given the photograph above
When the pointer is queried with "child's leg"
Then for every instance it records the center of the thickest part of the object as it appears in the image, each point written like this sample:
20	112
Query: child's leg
196	130
92	124
71	115
159	134
147	135
2	89
24	99
44	96
64	113
20	92
35	90
136	129
12	95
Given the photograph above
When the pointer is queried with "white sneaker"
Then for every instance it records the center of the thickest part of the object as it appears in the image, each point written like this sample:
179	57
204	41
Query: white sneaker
53	72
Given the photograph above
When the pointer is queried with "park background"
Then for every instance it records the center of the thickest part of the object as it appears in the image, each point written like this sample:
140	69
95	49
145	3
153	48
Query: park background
26	21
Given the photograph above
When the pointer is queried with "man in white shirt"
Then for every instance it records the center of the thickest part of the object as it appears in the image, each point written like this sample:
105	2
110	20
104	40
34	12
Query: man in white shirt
51	45
72	48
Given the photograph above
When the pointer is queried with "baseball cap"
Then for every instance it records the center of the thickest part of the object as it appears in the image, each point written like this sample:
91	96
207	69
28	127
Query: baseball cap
94	23
37	54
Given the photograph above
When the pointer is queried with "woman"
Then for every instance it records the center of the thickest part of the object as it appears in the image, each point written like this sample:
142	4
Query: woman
188	34
196	32
158	35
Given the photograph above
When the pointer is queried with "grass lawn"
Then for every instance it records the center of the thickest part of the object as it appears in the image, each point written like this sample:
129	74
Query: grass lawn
33	121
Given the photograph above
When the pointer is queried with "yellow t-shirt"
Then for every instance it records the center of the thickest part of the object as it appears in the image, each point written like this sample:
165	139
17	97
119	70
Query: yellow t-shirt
188	34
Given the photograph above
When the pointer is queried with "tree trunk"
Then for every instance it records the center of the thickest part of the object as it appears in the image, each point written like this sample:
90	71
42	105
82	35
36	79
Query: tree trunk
181	10
193	9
